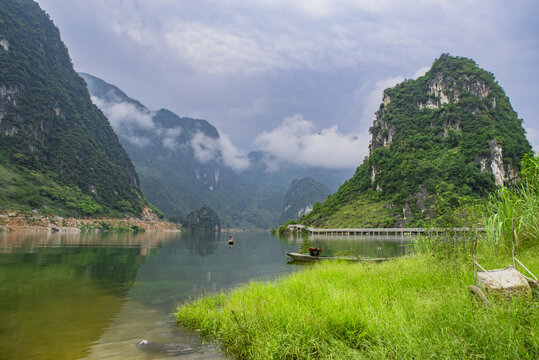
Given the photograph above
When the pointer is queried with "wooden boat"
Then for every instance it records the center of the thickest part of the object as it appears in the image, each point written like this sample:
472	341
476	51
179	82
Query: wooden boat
306	257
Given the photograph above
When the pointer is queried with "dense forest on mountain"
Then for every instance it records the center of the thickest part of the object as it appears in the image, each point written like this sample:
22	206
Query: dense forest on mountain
301	196
450	134
166	150
58	152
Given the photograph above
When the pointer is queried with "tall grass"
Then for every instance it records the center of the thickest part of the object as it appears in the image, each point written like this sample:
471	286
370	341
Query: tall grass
519	204
415	307
411	308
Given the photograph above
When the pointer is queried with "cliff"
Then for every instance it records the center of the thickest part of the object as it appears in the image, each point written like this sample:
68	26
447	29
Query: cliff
301	196
182	164
51	135
451	131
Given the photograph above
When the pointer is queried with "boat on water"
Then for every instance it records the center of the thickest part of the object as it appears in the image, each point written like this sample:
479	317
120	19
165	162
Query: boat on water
307	257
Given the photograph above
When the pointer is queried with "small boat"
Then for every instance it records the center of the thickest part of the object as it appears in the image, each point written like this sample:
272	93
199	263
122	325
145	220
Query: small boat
307	257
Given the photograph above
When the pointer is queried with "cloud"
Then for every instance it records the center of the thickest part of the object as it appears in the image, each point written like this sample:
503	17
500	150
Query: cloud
125	118
125	114
169	138
305	56
219	149
370	96
296	142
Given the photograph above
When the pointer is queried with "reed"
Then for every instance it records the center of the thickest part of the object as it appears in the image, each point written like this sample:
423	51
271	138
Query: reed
518	205
417	307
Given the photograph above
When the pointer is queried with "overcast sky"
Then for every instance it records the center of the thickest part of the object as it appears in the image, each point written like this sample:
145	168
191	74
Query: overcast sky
298	78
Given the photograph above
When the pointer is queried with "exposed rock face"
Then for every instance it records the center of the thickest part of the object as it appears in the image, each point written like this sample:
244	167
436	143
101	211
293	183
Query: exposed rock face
8	97
4	44
496	162
451	131
446	90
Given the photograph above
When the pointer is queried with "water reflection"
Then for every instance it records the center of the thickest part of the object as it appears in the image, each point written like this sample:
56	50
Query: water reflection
29	241
379	246
95	295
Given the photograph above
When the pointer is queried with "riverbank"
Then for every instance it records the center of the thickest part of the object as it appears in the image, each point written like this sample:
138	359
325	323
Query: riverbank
417	307
36	222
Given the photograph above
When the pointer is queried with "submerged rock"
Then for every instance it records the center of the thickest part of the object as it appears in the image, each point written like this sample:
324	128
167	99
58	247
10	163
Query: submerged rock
164	348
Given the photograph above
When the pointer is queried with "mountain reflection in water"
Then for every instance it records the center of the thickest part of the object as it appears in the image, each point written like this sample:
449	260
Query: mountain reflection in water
96	295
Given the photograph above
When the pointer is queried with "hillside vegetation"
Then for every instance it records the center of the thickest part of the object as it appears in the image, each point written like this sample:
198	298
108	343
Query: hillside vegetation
414	307
451	132
181	164
57	149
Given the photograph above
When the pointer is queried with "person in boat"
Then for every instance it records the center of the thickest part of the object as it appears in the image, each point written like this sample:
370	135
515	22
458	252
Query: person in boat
315	251
230	242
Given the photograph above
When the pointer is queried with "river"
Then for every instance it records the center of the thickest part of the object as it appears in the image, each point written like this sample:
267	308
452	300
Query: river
94	296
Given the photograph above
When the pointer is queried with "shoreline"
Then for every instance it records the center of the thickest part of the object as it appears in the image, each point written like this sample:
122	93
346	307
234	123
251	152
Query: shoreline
11	221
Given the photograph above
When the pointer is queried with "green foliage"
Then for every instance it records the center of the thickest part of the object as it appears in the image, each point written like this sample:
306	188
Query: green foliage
204	220
435	149
302	194
137	229
519	204
415	307
453	211
158	212
281	230
51	127
87	206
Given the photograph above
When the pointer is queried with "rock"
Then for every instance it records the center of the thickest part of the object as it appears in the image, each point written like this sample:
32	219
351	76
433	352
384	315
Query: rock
164	348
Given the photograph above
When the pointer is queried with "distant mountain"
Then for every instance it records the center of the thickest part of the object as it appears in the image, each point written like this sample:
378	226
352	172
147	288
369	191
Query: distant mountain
300	198
182	164
202	220
450	132
57	149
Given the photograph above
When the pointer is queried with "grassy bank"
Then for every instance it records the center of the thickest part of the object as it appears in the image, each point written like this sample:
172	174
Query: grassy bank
415	307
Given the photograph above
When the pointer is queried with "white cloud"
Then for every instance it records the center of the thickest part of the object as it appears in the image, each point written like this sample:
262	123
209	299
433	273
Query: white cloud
369	97
124	114
219	149
207	57
296	142
169	138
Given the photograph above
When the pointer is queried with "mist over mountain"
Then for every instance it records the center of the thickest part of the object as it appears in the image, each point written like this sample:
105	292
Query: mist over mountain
184	163
301	197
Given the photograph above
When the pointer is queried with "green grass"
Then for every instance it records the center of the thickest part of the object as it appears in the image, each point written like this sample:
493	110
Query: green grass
358	214
416	307
25	190
519	204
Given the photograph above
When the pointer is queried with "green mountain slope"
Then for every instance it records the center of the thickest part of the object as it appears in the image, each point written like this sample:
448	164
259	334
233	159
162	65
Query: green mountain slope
181	164
301	196
451	131
50	127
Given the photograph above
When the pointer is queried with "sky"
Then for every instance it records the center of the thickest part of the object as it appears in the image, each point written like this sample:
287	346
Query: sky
300	79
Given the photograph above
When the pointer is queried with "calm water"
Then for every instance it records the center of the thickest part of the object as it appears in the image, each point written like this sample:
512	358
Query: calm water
93	296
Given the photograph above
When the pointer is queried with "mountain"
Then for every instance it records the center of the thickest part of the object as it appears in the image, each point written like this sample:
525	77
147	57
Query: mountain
450	132
300	198
57	149
183	163
202	220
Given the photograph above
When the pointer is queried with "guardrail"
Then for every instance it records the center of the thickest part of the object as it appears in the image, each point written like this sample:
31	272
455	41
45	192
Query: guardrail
379	231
